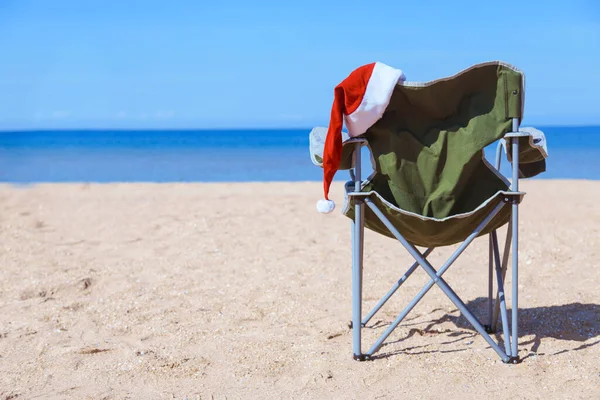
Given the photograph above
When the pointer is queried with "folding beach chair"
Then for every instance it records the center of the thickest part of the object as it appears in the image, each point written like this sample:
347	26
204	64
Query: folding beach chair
431	185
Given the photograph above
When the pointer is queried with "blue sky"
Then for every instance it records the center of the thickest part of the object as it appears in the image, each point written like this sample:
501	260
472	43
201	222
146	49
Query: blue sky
220	64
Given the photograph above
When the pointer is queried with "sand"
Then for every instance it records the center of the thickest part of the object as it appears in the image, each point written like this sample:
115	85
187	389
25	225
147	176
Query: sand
214	291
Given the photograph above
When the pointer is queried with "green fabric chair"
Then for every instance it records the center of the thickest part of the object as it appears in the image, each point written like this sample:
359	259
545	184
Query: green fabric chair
433	187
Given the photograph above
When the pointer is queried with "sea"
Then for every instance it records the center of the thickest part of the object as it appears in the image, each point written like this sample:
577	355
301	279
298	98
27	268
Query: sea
223	155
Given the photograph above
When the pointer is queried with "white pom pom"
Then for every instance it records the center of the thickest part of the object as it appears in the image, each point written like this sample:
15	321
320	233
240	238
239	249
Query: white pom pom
325	206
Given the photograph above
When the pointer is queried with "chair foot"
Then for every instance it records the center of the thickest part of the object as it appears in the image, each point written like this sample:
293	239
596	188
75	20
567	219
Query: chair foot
488	329
513	360
361	357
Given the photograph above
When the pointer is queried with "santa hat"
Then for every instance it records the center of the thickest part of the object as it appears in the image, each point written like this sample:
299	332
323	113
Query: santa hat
360	101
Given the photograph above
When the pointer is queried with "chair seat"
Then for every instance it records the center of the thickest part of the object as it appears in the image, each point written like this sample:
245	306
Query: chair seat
430	231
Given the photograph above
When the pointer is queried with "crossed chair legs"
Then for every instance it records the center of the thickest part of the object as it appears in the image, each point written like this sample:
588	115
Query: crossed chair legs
510	352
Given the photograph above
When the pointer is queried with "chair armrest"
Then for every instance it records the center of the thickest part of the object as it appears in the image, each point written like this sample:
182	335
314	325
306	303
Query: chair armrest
533	151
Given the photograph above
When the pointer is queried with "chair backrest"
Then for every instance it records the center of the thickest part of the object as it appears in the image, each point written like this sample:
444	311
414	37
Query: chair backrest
429	145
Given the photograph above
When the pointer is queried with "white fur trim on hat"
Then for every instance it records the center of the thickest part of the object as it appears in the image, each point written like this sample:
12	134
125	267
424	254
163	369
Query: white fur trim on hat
325	206
375	100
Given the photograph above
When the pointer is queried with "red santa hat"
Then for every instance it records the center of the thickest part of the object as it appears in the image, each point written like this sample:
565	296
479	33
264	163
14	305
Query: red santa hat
359	101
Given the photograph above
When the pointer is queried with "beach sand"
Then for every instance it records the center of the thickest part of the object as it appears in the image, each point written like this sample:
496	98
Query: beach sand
214	291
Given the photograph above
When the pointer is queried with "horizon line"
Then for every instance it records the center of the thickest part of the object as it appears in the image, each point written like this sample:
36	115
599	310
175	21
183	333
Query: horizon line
249	128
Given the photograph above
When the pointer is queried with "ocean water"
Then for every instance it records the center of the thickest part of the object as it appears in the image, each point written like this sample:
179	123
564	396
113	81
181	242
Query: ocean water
222	156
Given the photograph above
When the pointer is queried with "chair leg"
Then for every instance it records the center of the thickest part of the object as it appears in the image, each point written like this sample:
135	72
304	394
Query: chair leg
358	229
501	295
357	270
488	327
515	284
515	247
504	268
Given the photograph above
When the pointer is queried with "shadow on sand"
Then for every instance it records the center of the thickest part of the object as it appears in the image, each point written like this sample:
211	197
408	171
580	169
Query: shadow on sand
575	322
